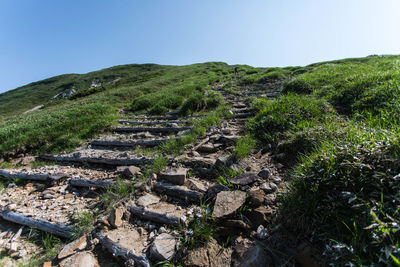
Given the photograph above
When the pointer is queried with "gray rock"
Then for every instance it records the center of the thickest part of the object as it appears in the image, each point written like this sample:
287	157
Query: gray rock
245	178
264	173
255	256
86	259
163	247
215	189
175	176
262	233
147	200
196	185
115	218
128	171
73	247
228	202
211	254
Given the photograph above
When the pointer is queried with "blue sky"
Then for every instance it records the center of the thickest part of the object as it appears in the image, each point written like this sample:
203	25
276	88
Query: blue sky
43	38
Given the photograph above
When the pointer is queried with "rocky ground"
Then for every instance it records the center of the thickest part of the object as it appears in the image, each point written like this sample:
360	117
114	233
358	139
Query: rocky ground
162	219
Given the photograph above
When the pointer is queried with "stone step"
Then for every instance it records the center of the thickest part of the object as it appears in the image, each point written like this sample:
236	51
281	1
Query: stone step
96	160
241	110
165	130
178	191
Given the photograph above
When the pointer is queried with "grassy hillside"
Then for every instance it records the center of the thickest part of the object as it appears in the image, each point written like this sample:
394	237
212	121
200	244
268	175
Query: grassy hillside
38	93
337	127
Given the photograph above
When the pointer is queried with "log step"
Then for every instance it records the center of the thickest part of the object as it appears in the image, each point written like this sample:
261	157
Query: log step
243	115
97	160
56	229
50	178
159	214
91	183
177	191
153	122
151	129
128	144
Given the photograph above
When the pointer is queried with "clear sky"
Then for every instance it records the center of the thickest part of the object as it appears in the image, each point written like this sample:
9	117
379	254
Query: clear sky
43	38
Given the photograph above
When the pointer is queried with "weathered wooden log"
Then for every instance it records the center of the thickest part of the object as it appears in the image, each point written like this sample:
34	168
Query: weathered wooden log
25	176
34	177
153	122
141	212
91	183
151	129
118	251
180	192
102	161
128	144
57	229
199	162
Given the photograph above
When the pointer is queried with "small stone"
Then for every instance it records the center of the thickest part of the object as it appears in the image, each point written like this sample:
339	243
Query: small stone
163	247
69	196
215	189
256	197
46	264
266	188
196	185
148	199
245	178
260	216
27	160
277	179
228	202
175	176
48	196
264	173
73	247
127	215
273	186
129	171
115	218
28	186
262	232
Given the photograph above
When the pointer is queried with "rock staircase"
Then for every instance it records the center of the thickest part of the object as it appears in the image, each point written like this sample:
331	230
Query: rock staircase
148	228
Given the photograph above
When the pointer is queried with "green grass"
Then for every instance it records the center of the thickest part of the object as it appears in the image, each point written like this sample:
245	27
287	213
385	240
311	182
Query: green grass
244	146
68	123
83	223
337	123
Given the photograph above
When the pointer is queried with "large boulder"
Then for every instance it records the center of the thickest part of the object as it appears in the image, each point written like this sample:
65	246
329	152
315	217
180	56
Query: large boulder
227	203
